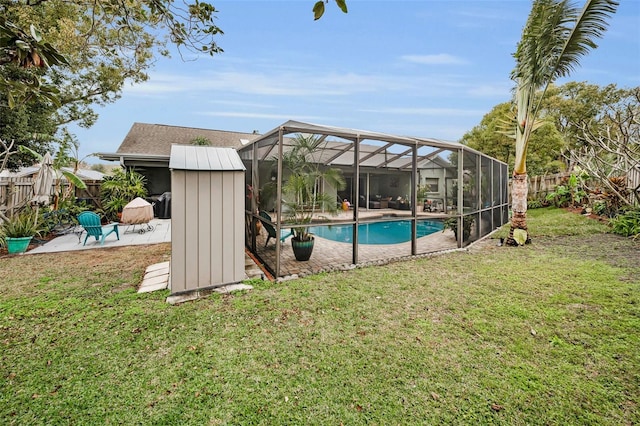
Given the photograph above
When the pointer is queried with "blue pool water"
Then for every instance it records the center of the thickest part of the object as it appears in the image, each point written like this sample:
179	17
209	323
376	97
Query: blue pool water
395	232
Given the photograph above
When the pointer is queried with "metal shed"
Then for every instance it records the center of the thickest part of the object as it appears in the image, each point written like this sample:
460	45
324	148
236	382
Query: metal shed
207	223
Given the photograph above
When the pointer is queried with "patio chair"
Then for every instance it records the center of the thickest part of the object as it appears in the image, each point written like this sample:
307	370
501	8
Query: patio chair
91	223
271	230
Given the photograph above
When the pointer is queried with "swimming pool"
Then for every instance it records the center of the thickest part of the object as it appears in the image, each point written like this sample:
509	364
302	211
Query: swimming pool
394	232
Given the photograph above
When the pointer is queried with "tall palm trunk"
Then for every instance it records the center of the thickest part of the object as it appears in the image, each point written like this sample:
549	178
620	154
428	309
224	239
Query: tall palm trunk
556	35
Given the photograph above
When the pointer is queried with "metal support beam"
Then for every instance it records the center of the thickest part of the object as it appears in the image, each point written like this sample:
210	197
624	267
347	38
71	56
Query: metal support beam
279	200
414	200
356	202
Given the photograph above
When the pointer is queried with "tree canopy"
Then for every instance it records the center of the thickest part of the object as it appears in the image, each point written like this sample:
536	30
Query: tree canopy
71	56
562	110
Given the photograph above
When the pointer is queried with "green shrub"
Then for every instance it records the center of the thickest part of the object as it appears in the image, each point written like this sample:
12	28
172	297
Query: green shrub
570	194
627	223
535	204
120	188
600	208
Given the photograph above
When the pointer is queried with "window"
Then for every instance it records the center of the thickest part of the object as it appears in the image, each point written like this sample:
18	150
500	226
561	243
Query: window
432	184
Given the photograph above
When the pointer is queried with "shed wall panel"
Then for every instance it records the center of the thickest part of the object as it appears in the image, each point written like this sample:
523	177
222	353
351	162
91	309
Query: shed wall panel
204	228
191	230
238	208
178	223
218	205
207	229
233	232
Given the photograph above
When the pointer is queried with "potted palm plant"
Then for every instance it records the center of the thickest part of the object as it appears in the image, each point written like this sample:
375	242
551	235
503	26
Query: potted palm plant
18	230
303	194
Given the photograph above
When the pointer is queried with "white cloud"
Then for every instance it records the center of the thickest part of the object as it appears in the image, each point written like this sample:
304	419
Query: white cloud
242	104
488	90
297	84
439	59
231	114
439	112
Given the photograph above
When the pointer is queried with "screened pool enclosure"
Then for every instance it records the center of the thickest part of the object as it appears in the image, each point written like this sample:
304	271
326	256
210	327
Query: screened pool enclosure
397	197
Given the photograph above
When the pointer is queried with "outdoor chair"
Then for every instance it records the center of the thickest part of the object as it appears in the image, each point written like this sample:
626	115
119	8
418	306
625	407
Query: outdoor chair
91	223
271	230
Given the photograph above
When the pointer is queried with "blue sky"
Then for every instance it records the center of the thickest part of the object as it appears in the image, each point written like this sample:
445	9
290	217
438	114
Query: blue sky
419	68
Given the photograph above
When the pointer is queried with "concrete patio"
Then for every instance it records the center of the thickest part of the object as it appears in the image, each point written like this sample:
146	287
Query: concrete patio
156	276
129	235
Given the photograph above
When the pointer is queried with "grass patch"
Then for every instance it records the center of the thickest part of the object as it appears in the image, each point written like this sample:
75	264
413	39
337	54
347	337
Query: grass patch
527	335
556	222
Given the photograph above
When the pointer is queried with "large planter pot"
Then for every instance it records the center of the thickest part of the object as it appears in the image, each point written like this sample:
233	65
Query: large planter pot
17	244
302	249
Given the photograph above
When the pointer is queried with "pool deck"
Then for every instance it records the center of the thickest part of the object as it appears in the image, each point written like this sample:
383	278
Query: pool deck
331	255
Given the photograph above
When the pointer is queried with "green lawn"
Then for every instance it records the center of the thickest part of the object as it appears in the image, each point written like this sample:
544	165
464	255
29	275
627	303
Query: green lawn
543	334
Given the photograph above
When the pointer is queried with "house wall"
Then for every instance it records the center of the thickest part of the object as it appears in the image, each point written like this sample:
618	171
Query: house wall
207	229
158	179
440	174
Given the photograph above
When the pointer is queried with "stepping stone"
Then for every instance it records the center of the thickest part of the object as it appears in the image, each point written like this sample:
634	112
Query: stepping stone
232	287
150	288
156	266
154	283
156	273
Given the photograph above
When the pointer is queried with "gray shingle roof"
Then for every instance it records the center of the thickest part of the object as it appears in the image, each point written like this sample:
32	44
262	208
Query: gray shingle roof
156	139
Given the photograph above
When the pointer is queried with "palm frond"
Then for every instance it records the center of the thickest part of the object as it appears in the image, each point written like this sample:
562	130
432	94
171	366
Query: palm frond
591	23
556	35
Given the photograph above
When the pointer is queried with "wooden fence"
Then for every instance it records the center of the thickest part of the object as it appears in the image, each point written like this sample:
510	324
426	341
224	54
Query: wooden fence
540	186
16	192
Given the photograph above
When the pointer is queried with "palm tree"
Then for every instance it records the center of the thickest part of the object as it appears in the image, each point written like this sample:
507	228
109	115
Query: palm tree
557	34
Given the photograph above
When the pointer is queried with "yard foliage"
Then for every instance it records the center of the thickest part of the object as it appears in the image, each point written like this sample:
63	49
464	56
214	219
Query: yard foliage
541	334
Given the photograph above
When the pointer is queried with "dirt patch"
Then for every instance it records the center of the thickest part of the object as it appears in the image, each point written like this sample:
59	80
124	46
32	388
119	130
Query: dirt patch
581	211
610	248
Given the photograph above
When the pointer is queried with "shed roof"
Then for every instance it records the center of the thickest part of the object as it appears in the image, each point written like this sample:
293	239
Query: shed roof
204	158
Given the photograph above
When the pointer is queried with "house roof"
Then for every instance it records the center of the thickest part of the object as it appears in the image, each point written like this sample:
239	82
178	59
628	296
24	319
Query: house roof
153	141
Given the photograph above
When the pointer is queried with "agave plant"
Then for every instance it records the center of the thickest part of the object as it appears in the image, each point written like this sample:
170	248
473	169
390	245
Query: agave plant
23	224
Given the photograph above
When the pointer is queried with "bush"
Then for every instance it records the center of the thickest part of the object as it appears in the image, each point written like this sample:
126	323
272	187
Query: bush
536	204
120	188
627	223
572	193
